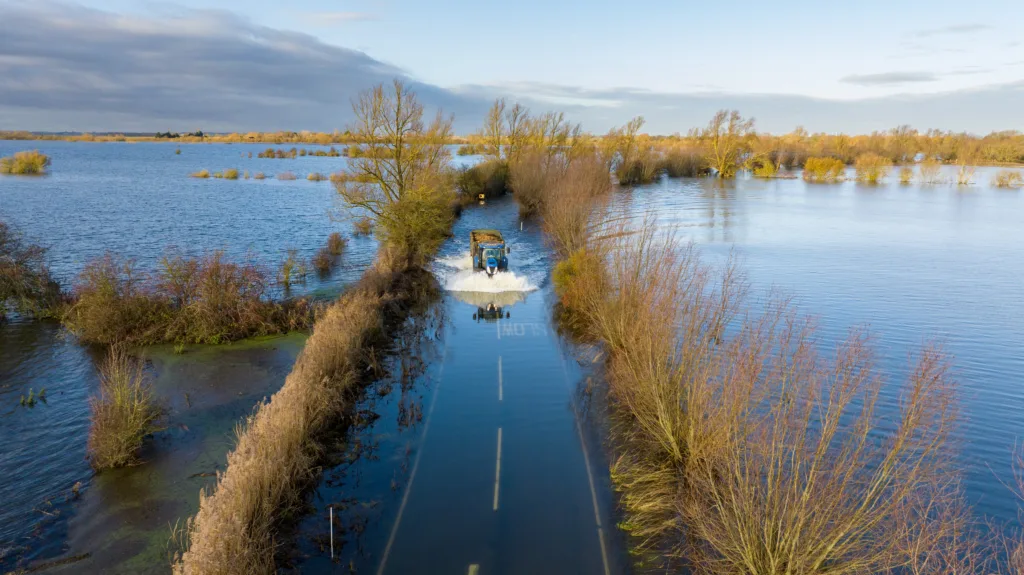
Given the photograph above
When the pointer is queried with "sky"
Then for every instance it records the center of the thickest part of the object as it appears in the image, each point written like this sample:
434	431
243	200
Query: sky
263	65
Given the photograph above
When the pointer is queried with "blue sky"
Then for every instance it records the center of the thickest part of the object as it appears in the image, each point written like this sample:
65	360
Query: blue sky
606	60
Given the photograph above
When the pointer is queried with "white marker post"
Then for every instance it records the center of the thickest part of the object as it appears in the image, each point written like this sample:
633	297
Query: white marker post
332	531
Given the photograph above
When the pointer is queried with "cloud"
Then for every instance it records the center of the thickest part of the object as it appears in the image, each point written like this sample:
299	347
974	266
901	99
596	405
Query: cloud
889	78
954	29
64	66
336	18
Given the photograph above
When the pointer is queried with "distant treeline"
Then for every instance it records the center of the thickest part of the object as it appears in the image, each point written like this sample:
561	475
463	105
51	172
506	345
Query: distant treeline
304	137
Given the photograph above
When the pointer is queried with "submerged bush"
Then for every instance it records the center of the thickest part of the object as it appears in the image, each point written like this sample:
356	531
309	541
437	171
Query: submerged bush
286	176
530	178
258	176
231	174
123	413
336	244
323	260
1008	179
872	168
31	163
188	300
292	269
362	226
201	174
316	177
25	281
906	175
823	170
930	170
684	162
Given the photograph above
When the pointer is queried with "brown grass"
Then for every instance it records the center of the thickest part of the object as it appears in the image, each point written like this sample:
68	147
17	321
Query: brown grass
123	413
31	163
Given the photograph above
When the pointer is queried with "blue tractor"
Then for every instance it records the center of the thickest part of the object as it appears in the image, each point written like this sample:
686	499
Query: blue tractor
488	250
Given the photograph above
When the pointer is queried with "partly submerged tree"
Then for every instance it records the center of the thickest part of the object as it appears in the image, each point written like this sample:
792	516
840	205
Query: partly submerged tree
25	282
726	141
399	178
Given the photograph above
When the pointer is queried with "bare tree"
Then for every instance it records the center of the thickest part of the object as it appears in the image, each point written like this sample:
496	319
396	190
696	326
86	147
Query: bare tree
398	180
494	133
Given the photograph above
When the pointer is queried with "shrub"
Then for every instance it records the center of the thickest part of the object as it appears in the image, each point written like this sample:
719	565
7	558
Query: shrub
490	178
640	168
114	302
530	177
259	176
292	269
906	175
1008	179
25	282
316	177
123	413
31	163
323	260
362	226
965	175
570	206
684	162
763	167
286	176
177	152
930	171
231	174
872	168
201	174
336	244
821	170
246	175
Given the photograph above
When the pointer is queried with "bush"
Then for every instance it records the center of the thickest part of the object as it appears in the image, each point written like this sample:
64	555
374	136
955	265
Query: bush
1008	179
201	174
872	168
490	178
930	171
259	176
684	162
362	226
906	175
823	170
231	174
323	260
189	300
316	177
292	269
25	282
286	176
530	178
336	244
31	163
123	413
641	168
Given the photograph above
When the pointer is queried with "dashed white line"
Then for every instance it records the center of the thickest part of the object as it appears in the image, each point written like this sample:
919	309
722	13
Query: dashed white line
499	379
497	472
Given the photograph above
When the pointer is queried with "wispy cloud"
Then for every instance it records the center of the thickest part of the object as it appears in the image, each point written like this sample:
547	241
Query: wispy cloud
889	78
969	71
336	18
953	29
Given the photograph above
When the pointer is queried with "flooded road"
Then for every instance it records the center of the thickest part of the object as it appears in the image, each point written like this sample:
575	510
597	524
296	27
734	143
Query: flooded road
503	471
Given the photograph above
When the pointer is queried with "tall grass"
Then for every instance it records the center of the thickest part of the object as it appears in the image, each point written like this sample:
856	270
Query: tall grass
31	163
123	413
738	447
872	168
1008	179
823	170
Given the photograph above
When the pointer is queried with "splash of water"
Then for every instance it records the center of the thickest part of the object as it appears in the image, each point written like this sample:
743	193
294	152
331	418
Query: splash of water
459	276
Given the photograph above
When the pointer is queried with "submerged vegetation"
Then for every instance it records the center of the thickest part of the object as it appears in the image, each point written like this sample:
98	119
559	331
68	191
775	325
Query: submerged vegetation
279	446
26	285
823	170
1008	179
188	300
31	163
124	412
872	168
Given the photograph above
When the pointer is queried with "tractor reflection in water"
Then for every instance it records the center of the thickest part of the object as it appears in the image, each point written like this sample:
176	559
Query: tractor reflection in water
490	313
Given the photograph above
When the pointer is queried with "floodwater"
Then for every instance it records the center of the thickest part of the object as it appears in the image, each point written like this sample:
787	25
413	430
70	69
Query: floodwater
478	450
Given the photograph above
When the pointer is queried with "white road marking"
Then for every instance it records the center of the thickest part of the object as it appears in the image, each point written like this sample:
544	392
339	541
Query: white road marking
497	472
499	379
415	464
590	474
